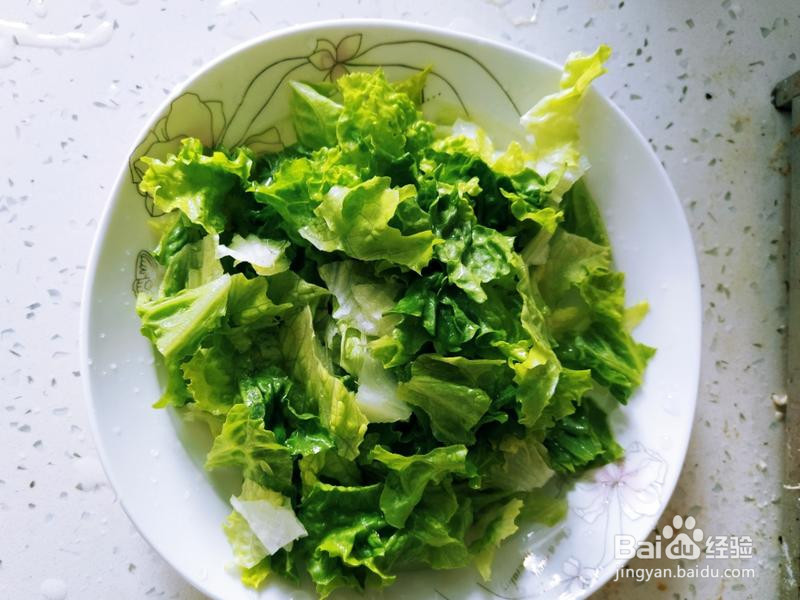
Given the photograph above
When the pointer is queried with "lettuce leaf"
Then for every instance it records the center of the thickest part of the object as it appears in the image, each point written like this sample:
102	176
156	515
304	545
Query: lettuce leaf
452	405
336	405
177	324
409	475
244	443
344	542
434	532
524	465
376	116
267	257
398	334
356	221
581	440
552	125
314	116
378	395
197	185
261	523
361	299
495	525
212	376
588	315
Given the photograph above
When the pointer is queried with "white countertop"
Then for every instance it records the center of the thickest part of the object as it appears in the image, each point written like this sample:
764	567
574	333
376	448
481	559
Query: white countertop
695	77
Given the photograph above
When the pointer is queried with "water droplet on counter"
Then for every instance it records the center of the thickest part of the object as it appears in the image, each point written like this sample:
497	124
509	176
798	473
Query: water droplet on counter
39	9
154	453
53	589
90	473
14	34
226	5
6	51
102	336
113	366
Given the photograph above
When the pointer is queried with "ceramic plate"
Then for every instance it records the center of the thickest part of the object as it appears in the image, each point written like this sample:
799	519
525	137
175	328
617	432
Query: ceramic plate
154	461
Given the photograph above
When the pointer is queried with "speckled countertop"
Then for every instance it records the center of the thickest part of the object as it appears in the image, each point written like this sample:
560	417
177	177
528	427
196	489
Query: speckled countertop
694	76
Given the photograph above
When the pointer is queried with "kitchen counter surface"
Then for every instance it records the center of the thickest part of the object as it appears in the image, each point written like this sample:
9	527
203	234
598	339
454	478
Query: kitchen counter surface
694	77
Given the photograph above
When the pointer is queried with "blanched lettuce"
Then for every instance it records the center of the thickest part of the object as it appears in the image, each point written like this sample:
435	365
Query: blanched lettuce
362	300
453	407
399	336
552	125
496	524
336	405
361	304
177	324
261	523
409	475
267	257
378	396
244	443
314	116
198	185
356	222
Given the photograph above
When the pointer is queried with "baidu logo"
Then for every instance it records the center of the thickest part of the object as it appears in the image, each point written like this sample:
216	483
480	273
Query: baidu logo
685	539
682	539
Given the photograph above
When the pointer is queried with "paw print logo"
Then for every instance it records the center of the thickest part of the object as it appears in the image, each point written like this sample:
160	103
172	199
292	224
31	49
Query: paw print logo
687	538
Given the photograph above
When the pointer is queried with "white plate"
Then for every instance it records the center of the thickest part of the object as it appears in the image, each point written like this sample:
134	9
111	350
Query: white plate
154	461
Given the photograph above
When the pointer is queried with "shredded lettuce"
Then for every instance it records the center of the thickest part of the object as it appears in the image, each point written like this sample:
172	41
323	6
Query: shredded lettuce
400	337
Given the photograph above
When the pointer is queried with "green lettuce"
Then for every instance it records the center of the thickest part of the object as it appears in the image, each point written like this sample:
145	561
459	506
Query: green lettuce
376	116
336	405
399	337
268	516
552	125
177	324
356	222
199	186
453	406
588	315
409	476
582	439
495	525
267	257
344	526
314	116
244	443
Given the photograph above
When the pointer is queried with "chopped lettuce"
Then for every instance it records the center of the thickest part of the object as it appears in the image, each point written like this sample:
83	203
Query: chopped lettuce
314	116
267	257
356	221
246	444
336	405
262	522
177	324
496	524
552	126
201	187
399	336
409	476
